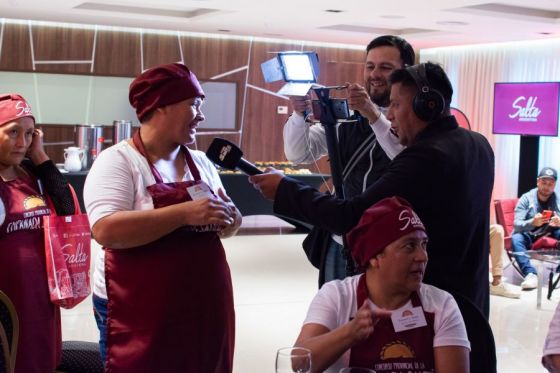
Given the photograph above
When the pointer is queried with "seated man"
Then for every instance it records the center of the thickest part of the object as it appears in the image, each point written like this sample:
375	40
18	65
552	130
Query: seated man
536	215
551	351
498	286
386	319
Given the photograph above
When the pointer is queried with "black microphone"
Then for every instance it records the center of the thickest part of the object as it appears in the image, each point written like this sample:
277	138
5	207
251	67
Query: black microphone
227	155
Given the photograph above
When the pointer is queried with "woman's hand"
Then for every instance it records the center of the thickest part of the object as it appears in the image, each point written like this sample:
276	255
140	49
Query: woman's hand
364	323
231	229
36	151
207	211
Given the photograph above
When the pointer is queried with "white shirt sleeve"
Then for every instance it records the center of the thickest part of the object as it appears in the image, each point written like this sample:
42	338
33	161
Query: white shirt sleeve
388	141
116	182
303	143
552	341
449	327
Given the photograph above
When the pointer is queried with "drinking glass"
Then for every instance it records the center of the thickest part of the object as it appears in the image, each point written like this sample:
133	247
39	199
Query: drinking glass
293	360
356	370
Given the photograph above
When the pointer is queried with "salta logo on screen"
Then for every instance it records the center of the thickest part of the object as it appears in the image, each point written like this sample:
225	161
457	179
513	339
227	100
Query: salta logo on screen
525	109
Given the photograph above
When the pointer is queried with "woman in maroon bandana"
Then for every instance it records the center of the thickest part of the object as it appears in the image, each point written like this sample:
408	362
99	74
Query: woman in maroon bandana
162	286
24	184
386	319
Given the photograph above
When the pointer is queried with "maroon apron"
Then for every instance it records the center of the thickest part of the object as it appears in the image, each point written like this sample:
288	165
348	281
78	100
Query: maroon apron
409	351
23	275
170	302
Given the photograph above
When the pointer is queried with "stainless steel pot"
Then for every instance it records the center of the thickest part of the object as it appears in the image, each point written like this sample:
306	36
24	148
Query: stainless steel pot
122	130
89	137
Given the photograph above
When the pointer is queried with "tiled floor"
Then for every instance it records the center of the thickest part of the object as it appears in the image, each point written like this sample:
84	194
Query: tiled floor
273	284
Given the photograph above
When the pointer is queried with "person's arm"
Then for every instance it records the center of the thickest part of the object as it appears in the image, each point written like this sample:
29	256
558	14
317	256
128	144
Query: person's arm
125	229
451	359
388	141
523	219
358	99
551	363
109	196
409	176
53	182
327	346
303	143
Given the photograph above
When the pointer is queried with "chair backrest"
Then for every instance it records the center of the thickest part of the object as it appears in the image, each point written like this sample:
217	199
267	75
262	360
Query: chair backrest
10	326
5	358
483	348
505	214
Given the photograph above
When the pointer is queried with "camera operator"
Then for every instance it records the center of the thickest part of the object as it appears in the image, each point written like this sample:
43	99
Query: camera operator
366	146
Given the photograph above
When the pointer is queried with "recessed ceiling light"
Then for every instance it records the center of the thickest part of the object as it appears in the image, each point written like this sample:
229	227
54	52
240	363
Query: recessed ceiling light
544	33
392	16
334	11
224	30
452	23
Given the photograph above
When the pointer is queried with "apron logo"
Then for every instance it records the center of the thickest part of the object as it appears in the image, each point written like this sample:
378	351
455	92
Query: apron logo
24	224
396	350
32	202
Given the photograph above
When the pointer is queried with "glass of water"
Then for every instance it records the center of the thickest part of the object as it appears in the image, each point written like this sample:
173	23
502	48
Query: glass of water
356	370
293	360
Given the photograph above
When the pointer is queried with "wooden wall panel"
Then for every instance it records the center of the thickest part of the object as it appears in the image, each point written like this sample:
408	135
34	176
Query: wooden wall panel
262	134
117	54
208	57
16	48
204	140
160	49
59	43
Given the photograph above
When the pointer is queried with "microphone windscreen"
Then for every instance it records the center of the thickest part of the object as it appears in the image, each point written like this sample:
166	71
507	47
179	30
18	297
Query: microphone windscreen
224	153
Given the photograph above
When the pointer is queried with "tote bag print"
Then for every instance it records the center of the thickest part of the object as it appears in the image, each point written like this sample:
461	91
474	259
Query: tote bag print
67	244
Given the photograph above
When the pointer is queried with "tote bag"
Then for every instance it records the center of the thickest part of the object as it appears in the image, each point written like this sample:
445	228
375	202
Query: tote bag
67	251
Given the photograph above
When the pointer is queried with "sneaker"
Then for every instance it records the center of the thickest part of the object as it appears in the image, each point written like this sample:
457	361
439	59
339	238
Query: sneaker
530	282
504	290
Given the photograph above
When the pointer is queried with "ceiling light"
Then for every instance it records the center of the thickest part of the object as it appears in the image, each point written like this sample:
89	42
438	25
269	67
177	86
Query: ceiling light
334	11
224	30
544	33
452	23
391	16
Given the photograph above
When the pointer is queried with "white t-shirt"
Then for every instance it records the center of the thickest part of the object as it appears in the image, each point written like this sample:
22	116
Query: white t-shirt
336	302
117	181
552	341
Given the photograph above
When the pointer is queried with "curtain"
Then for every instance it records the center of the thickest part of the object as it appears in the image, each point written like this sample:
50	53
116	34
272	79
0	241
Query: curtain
473	70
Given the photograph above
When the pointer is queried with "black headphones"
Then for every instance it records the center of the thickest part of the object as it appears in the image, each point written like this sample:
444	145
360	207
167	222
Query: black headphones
428	104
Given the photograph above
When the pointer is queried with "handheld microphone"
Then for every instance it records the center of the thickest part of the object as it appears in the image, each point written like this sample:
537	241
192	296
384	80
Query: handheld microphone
227	155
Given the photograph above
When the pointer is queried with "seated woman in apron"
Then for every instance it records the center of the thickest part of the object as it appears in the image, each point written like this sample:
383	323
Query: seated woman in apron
386	319
162	286
24	185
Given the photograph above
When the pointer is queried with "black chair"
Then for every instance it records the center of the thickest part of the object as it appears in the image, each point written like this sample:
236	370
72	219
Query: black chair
483	348
80	357
9	333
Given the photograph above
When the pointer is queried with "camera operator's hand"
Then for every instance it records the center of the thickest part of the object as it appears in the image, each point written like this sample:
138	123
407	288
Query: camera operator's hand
358	99
301	104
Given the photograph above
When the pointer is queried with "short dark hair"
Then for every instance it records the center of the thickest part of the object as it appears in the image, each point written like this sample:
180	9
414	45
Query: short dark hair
436	76
407	53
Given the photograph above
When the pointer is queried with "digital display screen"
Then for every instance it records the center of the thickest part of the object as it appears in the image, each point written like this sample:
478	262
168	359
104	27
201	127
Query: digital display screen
526	108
